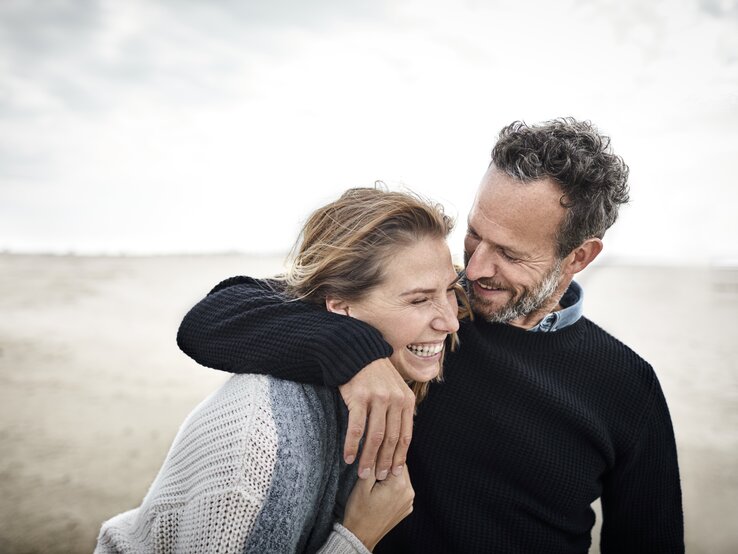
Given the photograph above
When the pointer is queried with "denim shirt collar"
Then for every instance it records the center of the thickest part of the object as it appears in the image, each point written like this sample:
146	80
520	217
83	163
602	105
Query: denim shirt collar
572	304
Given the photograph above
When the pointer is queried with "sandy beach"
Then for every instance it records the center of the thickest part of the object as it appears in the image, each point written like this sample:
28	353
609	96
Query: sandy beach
93	386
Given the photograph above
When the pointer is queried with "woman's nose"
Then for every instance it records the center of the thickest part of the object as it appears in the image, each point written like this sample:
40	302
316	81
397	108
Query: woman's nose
448	318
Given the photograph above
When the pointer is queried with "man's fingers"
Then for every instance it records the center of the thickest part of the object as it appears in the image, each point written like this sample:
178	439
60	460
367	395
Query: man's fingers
366	485
375	432
391	437
381	405
406	435
354	432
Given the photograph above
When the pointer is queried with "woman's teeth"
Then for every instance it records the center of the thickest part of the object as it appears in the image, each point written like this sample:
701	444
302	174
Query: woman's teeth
425	350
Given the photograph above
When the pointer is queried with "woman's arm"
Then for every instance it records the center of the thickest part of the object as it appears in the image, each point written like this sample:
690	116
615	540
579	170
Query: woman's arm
375	507
343	541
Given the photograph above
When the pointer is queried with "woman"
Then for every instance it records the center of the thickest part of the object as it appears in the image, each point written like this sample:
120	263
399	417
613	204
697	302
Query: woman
257	467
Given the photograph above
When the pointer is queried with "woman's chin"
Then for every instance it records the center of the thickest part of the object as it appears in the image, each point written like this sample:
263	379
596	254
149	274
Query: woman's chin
419	369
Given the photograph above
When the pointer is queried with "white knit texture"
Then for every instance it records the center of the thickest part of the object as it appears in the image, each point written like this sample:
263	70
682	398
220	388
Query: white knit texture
216	481
209	491
343	541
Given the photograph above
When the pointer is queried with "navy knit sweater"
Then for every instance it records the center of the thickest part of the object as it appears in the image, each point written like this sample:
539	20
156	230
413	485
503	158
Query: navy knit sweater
508	453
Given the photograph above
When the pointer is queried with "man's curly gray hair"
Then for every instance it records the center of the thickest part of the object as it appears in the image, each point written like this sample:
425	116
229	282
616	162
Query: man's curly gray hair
594	181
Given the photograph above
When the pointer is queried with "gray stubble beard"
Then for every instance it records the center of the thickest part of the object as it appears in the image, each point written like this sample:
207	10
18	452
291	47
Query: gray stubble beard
530	301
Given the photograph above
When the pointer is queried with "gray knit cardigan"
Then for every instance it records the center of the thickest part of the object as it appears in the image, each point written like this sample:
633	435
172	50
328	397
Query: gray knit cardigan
256	467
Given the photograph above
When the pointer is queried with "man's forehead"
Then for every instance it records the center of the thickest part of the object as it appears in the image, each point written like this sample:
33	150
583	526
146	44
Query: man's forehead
524	216
500	193
495	180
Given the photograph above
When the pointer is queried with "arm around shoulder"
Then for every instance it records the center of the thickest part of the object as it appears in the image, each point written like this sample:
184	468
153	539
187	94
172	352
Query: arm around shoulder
247	325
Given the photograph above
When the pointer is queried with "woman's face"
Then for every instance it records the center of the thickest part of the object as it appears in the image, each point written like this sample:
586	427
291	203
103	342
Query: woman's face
415	308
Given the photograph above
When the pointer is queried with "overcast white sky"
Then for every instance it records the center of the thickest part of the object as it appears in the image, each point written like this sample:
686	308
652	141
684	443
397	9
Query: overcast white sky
180	126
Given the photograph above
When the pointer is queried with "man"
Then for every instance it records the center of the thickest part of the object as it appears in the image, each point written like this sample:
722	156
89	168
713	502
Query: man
541	412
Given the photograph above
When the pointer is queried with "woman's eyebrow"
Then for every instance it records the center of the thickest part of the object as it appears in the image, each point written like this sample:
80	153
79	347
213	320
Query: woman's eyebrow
420	290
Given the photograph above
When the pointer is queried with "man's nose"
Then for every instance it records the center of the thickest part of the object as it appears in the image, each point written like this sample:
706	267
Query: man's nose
481	263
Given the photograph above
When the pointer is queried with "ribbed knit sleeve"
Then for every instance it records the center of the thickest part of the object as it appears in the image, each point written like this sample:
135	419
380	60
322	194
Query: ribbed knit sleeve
343	541
246	325
641	497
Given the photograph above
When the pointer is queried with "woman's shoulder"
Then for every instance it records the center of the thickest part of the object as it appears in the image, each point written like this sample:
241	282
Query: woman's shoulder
275	406
247	389
244	427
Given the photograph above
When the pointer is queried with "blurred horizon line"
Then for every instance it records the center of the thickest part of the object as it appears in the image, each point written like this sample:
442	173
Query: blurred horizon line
605	260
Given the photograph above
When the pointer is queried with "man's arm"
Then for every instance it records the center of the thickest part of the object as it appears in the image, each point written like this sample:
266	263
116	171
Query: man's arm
642	499
246	325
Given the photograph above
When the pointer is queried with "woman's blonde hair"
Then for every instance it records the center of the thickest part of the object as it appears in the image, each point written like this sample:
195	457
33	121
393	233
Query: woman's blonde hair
344	246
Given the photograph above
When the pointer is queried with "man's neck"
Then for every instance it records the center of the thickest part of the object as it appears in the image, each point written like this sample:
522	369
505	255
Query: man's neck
551	305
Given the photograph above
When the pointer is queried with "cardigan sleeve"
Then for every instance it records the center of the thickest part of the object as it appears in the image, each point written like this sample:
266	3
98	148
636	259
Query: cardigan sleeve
246	325
343	541
240	477
641	499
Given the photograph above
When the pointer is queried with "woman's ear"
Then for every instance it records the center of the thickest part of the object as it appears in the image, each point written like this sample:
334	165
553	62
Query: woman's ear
336	305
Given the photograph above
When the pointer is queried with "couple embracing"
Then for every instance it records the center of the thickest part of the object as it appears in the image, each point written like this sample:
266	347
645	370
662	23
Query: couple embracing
334	437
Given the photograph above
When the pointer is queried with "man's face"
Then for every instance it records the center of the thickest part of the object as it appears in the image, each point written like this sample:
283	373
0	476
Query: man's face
514	272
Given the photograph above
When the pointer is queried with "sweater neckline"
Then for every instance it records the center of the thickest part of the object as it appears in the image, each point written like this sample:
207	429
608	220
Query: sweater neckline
569	336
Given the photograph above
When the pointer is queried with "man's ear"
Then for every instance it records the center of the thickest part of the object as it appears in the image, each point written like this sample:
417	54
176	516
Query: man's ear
336	305
583	255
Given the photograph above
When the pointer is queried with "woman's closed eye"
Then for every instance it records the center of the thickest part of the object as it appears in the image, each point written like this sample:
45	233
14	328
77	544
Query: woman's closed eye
422	300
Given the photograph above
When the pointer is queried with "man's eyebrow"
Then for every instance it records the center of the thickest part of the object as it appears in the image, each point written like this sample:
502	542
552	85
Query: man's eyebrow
511	251
430	291
508	249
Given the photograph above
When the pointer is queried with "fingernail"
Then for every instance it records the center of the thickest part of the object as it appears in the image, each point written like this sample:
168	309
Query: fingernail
397	471
382	475
350	459
365	473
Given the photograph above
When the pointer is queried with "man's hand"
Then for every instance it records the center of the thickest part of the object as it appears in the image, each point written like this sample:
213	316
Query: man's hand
379	401
375	507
